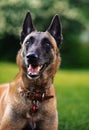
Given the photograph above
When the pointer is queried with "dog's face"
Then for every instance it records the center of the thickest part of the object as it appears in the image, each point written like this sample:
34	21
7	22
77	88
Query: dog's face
39	49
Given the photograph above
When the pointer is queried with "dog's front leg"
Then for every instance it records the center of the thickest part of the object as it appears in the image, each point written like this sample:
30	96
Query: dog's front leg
5	125
50	126
11	121
8	124
49	123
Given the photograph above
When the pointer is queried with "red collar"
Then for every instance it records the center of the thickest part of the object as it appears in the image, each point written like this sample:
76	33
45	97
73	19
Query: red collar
35	97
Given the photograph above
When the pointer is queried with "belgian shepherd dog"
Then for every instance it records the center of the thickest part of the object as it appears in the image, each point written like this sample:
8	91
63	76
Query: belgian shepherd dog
29	101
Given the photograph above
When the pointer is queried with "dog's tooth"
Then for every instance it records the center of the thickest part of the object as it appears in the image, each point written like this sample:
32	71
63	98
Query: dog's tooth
32	70
29	66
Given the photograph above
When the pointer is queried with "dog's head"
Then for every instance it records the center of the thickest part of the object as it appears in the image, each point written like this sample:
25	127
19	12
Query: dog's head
39	50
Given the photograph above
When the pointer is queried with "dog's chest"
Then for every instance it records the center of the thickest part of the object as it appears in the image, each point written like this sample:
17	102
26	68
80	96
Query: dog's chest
35	105
34	108
33	115
34	99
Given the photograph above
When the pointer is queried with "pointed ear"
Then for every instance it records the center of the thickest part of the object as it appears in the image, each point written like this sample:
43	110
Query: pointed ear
55	29
28	26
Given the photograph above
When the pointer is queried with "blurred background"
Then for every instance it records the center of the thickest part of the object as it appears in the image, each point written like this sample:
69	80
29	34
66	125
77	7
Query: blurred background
75	23
72	79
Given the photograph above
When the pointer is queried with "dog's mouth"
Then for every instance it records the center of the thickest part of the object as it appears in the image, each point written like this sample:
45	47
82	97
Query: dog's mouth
34	71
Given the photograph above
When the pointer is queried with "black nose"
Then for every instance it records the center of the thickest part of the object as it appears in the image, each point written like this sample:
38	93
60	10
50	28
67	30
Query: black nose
32	56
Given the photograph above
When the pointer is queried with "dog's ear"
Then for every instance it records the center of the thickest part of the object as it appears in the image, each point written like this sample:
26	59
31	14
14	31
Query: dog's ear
55	29
28	26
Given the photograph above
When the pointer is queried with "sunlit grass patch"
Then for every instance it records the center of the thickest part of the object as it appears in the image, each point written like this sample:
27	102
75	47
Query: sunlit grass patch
72	89
7	71
72	78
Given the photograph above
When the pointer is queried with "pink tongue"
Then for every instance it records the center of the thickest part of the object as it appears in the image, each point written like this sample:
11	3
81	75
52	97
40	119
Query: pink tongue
33	70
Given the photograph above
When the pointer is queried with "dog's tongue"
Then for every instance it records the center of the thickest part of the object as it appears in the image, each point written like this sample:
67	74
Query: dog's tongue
33	70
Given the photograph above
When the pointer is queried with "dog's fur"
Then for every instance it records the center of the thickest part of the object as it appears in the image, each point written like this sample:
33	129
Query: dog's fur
38	61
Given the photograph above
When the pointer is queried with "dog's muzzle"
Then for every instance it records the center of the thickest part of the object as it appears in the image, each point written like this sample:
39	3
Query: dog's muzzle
34	68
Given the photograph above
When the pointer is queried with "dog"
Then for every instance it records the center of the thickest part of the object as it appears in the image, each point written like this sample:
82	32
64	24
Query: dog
29	101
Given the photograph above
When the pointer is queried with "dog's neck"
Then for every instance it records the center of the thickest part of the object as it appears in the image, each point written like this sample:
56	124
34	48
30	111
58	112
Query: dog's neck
36	84
35	96
35	91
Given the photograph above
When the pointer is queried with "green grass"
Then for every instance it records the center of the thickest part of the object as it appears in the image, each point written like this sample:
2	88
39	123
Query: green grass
7	71
72	88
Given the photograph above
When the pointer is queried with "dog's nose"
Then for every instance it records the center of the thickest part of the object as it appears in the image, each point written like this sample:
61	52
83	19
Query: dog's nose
32	56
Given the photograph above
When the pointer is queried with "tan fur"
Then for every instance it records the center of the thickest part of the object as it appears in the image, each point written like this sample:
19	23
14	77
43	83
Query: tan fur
14	109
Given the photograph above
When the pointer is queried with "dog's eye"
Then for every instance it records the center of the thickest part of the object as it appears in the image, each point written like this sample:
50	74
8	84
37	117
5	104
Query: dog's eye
31	40
27	43
46	43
